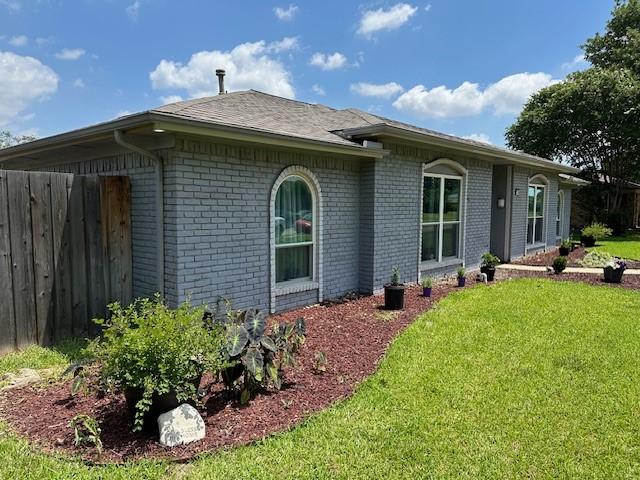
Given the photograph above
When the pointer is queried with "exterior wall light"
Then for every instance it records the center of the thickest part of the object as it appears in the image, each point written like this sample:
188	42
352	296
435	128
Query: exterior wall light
500	202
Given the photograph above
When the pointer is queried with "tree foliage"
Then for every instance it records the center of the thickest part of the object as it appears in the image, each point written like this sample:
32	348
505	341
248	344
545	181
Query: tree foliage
7	139
591	119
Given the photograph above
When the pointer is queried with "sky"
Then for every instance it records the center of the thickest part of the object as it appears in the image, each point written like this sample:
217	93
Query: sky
463	67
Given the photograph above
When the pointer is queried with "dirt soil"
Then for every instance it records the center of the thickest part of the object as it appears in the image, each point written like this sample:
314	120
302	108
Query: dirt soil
354	335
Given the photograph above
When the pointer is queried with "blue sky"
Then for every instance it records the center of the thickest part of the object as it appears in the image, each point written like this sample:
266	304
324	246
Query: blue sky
461	67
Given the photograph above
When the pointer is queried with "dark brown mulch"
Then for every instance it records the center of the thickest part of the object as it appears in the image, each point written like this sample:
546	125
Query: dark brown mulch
631	282
354	336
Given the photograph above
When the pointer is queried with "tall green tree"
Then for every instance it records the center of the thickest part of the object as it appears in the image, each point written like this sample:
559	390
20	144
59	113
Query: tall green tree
592	119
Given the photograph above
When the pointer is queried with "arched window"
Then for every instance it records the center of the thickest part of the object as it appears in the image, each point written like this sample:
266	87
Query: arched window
442	211
536	210
559	212
294	229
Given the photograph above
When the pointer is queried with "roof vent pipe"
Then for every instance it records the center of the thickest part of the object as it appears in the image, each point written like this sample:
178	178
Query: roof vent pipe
220	74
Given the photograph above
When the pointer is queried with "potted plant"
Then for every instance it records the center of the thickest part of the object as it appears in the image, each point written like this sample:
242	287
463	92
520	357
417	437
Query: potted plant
462	280
394	292
565	247
427	285
559	264
488	266
156	356
614	270
594	232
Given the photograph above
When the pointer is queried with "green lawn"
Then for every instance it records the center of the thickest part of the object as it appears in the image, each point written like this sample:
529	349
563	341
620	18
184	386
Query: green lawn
527	378
627	246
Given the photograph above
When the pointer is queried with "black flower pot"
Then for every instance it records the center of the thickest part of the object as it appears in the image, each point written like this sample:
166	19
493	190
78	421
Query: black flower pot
159	404
564	251
587	241
426	292
462	281
489	271
394	297
613	275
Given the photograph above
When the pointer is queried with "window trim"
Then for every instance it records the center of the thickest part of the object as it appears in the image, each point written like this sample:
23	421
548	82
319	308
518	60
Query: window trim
462	217
300	284
560	214
537	181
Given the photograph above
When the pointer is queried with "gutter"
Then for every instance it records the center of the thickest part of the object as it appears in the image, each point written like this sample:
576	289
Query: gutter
119	138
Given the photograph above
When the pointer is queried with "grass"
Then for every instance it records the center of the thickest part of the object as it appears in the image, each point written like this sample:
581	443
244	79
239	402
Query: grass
627	246
528	378
40	358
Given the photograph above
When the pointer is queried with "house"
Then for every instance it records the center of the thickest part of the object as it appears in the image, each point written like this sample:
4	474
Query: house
275	203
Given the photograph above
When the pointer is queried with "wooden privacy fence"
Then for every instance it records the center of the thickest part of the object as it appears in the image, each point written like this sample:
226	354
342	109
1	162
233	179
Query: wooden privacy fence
65	253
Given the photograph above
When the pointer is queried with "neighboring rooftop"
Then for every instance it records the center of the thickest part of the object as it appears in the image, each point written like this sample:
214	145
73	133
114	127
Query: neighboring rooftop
263	114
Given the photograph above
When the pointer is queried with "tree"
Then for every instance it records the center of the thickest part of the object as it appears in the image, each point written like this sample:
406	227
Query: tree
7	139
591	119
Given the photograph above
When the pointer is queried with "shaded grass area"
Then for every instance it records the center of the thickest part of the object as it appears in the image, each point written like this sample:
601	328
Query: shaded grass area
40	357
627	246
526	378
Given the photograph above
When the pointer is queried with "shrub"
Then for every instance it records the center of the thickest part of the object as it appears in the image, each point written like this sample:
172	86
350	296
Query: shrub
559	264
596	259
461	272
254	358
490	260
566	243
151	347
86	431
395	276
596	231
427	282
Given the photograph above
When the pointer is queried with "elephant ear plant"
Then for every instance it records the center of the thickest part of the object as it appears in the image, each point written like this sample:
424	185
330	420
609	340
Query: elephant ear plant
255	357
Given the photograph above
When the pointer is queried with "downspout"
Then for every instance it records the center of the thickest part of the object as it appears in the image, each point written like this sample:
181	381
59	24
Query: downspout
118	136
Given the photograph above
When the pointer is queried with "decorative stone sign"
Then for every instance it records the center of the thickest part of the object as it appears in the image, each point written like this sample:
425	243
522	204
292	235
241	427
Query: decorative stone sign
180	426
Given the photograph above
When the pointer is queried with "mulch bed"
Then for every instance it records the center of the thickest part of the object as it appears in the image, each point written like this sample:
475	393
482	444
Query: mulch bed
547	258
630	282
354	335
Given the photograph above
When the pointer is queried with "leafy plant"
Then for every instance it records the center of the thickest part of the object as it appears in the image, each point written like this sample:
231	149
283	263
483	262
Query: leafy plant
395	276
596	259
151	347
597	231
461	272
490	260
616	264
320	362
86	431
427	282
559	264
254	358
566	243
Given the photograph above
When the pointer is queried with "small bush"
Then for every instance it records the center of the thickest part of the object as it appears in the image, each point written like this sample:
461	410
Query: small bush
461	272
490	260
597	231
427	282
86	431
566	243
596	259
559	264
151	347
395	276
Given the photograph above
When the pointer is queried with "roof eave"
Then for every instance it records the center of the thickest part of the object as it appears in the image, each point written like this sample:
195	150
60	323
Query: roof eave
516	157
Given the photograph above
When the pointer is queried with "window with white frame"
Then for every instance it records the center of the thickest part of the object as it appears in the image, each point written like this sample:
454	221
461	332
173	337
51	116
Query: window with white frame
441	217
535	214
560	209
294	229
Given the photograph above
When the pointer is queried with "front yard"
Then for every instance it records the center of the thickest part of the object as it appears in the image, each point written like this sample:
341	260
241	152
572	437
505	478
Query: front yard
627	246
526	378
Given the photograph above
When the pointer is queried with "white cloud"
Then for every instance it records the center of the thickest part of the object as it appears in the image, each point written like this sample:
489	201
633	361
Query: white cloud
248	65
385	90
171	99
12	5
318	90
578	62
287	43
19	41
373	21
70	54
503	97
23	80
79	83
133	9
427	7
286	14
40	41
328	61
479	137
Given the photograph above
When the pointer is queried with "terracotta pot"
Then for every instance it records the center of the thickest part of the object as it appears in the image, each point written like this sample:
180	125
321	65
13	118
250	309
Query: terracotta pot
394	297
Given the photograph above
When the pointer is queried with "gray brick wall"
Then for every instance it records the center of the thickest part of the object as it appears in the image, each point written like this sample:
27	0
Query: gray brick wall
566	224
552	210
221	212
478	217
367	225
143	228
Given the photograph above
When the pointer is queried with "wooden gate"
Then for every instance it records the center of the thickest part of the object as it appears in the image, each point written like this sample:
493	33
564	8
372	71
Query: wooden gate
65	253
